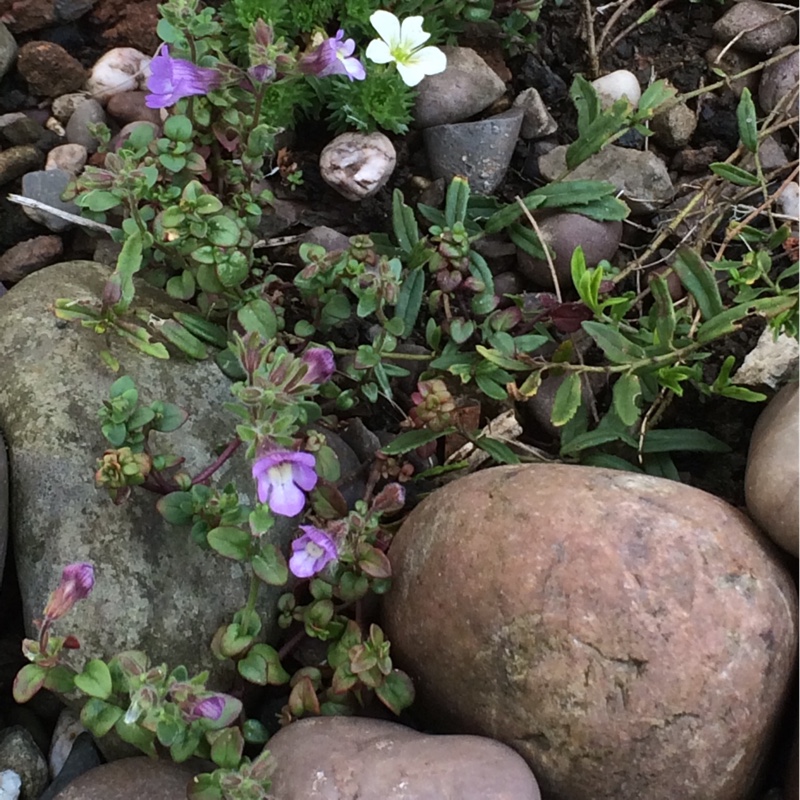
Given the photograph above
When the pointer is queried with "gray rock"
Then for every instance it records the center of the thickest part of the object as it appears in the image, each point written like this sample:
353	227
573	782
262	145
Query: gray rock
47	186
16	161
641	176
28	256
538	122
18	128
18	752
68	728
732	62
467	86
772	475
563	232
327	758
155	589
357	165
8	49
779	79
674	127
64	105
332	240
85	114
10	784
83	757
770	153
763	27
3	504
480	151
70	10
135	779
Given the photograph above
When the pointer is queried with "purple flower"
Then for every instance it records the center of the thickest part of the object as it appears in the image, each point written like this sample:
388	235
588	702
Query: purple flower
77	581
172	79
311	552
334	57
208	708
282	477
320	363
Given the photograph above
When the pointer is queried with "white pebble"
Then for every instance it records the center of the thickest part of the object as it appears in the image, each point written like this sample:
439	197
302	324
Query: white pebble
616	85
10	785
357	164
68	729
789	201
69	157
122	69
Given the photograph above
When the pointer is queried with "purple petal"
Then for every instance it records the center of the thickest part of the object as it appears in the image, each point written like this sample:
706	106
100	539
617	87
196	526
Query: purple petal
286	499
82	575
320	363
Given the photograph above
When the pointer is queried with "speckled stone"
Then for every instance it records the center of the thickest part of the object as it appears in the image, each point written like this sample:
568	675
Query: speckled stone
631	637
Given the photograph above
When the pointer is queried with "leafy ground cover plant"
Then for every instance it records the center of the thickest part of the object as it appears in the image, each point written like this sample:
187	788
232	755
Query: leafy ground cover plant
408	321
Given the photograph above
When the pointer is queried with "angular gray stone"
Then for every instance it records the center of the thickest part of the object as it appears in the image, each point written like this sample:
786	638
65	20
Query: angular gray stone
779	79
467	86
538	122
8	49
18	752
155	590
763	27
480	151
332	758
641	176
674	127
47	186
18	128
83	757
85	114
16	161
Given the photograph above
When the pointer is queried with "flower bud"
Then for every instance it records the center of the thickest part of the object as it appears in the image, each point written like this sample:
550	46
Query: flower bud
77	581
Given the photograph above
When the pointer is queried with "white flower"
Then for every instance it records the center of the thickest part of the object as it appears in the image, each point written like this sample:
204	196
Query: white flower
403	45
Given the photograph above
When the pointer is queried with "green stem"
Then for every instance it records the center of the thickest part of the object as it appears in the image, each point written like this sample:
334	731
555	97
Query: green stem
252	596
343	351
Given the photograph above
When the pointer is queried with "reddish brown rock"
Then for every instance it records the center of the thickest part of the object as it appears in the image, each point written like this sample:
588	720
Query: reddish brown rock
49	69
128	23
772	477
130	107
26	257
333	758
629	636
134	779
22	16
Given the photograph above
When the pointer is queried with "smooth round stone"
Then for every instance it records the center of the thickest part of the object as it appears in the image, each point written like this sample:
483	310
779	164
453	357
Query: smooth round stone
779	79
763	27
773	475
615	86
88	113
134	779
122	69
563	232
631	637
481	151
332	758
131	107
8	50
357	165
69	157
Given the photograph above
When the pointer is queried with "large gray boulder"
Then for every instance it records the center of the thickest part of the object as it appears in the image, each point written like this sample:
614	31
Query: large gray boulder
155	590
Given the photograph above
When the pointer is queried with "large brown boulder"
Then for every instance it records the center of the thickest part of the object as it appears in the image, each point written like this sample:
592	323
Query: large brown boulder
773	473
629	636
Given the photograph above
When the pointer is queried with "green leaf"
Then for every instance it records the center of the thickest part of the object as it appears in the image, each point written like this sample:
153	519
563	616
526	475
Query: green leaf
99	201
187	342
411	440
129	262
455	203
490	387
182	287
259	317
609	462
567	400
269	566
500	360
617	347
230	542
461	330
627	391
138	737
178	128
586	101
668	439
172	163
661	466
95	680
726	322
169	417
100	717
655	95
404	224
227	747
700	281
60	679
597	133
176	507
396	691
233	269
28	682
223	231
499	451
583	441
734	174
748	121
409	300
665	310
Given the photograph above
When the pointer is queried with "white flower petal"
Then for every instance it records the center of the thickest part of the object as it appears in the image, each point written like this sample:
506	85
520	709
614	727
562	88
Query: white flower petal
388	27
379	52
431	59
411	74
411	33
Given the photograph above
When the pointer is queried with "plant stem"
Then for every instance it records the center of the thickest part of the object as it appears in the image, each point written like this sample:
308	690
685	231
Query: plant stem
205	474
287	648
252	596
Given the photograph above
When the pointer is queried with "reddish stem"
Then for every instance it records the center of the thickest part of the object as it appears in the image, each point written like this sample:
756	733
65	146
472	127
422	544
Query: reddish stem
205	474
